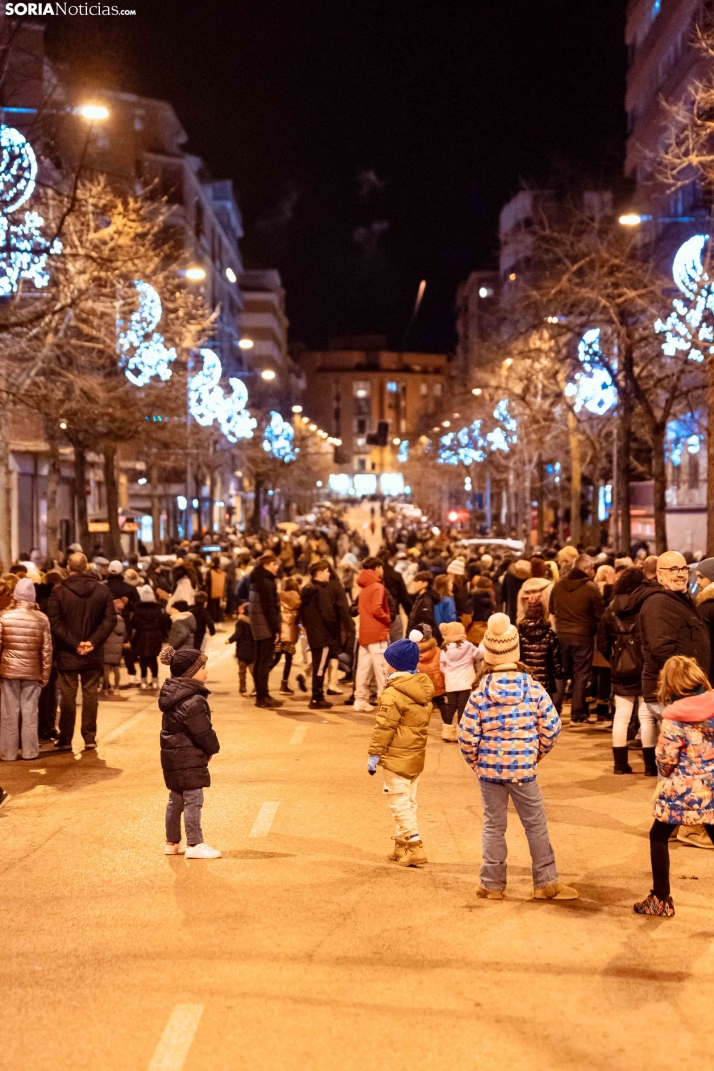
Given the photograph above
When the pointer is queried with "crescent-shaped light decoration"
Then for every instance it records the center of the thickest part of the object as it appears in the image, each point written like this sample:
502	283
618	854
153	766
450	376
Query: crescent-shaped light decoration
142	352
687	329
18	169
24	247
208	403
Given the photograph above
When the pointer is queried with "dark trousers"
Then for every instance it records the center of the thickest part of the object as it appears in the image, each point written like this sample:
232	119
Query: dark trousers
68	683
577	655
320	656
659	854
214	609
264	653
287	665
150	664
455	703
130	662
47	708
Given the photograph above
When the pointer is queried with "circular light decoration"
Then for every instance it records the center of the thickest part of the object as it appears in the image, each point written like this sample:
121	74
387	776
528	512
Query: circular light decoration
593	388
278	439
686	330
142	353
208	403
18	169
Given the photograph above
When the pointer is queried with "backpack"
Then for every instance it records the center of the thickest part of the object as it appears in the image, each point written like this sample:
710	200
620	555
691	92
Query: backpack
626	658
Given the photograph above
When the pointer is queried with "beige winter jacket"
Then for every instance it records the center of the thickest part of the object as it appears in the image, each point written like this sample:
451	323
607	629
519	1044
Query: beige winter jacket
289	608
399	735
25	644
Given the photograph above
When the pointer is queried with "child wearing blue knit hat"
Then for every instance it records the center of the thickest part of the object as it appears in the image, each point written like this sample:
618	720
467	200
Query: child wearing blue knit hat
398	743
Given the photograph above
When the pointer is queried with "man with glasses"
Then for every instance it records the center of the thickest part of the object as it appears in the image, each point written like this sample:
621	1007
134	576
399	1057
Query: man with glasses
670	624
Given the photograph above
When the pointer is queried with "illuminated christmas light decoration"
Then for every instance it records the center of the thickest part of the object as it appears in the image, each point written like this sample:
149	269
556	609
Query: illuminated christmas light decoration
25	249
391	483
278	439
681	435
365	483
593	388
685	329
339	483
403	452
142	353
208	403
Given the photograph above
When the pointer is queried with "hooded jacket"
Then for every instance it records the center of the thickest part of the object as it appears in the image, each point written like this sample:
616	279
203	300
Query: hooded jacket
540	651
685	757
187	736
508	722
374	619
422	612
80	608
576	604
457	665
402	721
289	613
263	604
430	663
624	609
536	585
669	624
183	630
150	626
114	643
25	644
319	616
243	639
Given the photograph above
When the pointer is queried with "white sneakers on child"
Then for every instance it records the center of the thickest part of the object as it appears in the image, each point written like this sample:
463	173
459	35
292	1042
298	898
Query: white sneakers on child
363	706
202	851
174	849
450	733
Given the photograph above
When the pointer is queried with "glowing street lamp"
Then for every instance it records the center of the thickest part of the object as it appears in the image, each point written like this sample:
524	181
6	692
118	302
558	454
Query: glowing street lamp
93	113
196	273
477	391
231	275
297	409
267	374
246	343
632	219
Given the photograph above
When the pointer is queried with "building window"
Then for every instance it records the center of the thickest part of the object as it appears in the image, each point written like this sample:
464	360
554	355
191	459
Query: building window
437	390
360	388
391	387
423	389
361	426
360	464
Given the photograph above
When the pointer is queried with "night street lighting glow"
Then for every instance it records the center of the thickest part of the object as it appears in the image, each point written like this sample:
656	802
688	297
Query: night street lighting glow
297	409
630	219
63	425
181	501
142	481
94	113
196	273
446	423
477	391
396	442
231	275
267	374
246	343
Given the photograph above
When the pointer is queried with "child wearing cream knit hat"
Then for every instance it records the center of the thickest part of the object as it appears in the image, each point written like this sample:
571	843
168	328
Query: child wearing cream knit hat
508	726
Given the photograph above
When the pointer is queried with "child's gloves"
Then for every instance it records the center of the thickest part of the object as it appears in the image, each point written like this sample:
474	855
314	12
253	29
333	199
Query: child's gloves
372	764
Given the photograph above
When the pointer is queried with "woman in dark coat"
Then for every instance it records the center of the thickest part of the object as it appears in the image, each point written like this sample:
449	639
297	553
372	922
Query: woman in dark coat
150	625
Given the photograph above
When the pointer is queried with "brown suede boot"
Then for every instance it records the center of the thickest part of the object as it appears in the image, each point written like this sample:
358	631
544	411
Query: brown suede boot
414	854
400	846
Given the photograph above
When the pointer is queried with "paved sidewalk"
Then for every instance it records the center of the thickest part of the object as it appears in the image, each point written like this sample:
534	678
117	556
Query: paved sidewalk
303	948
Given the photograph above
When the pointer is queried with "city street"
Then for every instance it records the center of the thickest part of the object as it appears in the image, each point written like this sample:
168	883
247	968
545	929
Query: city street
303	947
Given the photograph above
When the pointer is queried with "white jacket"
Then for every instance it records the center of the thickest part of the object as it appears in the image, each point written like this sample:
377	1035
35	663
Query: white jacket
184	590
457	665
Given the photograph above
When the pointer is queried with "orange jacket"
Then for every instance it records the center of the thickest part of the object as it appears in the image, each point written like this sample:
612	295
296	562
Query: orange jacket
374	619
430	663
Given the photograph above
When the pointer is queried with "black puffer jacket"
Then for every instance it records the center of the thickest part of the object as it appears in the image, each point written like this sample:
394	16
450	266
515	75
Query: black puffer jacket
482	603
423	613
150	626
80	608
318	614
619	617
263	605
669	624
540	651
187	736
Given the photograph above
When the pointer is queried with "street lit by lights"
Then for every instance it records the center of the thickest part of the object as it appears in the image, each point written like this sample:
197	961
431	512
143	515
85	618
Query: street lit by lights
630	219
196	273
142	481
94	113
297	409
313	427
508	362
446	423
63	425
551	319
396	442
246	343
512	277
267	374
477	391
231	275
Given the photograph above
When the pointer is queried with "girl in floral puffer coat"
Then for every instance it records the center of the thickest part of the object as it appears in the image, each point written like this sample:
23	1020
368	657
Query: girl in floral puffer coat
685	758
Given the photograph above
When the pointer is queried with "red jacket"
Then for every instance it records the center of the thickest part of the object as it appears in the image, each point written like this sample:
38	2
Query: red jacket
374	619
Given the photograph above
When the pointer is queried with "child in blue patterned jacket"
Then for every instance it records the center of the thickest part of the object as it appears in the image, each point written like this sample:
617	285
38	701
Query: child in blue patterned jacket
508	726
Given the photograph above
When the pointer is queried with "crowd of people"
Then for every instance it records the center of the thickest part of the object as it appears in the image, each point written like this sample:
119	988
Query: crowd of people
497	643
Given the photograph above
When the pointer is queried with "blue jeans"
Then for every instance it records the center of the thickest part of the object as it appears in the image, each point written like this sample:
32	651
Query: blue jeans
528	802
188	803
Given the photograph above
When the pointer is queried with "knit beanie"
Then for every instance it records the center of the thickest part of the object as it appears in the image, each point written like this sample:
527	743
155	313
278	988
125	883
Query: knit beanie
456	567
452	631
705	567
501	641
146	593
403	655
24	590
183	663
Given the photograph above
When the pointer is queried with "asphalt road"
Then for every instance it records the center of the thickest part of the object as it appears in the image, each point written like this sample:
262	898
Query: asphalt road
303	947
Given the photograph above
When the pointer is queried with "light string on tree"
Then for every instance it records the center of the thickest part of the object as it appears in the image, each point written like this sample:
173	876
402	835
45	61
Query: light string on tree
685	329
208	402
142	351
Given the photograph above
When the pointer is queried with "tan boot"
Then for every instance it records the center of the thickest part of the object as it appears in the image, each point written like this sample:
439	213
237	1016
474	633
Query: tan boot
490	894
414	854
694	837
555	891
449	733
400	846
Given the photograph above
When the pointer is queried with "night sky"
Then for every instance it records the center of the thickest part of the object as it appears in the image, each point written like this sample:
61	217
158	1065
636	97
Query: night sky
373	142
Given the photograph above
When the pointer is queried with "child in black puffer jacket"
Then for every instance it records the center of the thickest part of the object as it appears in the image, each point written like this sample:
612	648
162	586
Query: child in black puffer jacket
187	743
540	650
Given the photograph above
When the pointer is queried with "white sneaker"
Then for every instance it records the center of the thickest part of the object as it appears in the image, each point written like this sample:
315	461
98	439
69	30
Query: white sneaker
174	849
360	704
202	851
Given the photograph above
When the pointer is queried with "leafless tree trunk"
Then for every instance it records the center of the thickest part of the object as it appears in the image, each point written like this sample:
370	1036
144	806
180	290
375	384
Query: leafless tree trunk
257	502
5	498
659	473
53	480
576	479
111	487
80	492
541	500
624	446
155	507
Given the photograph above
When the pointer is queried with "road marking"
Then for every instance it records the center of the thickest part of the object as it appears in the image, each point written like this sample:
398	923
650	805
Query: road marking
128	724
262	824
176	1040
299	735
